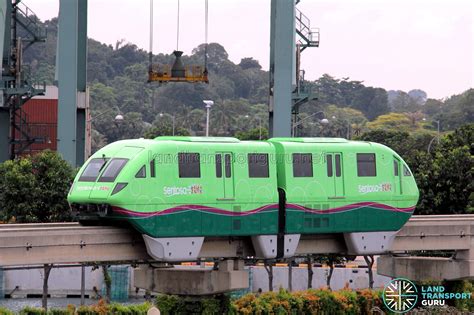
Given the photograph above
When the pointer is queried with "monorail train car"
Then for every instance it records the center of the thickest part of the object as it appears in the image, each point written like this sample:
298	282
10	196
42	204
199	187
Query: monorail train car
176	191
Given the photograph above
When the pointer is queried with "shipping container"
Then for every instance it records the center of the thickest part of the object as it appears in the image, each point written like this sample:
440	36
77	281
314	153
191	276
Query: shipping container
39	119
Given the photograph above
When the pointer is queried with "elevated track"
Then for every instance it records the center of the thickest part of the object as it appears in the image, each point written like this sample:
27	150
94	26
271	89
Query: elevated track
33	244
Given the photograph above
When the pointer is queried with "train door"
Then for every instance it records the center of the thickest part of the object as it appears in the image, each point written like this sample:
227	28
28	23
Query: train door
397	178
224	174
335	173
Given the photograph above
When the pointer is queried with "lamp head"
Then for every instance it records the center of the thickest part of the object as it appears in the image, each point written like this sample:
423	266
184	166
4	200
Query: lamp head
119	118
208	103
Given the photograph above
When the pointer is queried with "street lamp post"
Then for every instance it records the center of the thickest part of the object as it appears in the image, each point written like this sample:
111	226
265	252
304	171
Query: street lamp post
208	103
323	121
259	126
118	120
173	121
437	136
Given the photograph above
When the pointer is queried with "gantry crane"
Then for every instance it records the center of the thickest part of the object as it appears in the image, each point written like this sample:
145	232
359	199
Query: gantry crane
18	31
286	90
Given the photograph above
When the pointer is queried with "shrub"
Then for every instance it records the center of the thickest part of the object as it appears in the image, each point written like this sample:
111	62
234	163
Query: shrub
5	311
59	311
139	309
32	311
320	301
167	303
210	306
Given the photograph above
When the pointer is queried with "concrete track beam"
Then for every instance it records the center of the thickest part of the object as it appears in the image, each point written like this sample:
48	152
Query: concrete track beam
193	281
425	268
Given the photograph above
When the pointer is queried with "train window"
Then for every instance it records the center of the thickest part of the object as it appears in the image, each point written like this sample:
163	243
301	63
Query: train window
329	164
152	168
141	173
112	170
189	165
302	165
218	165
366	164
258	165
406	171
395	167
227	165
92	170
337	157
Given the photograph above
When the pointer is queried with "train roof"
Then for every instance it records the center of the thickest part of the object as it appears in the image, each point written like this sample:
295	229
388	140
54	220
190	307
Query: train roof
199	139
311	140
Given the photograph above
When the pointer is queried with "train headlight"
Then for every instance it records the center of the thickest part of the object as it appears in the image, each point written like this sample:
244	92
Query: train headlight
119	187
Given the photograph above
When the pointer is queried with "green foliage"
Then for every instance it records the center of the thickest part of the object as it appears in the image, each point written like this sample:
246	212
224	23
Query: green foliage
445	175
134	309
34	189
165	130
210	306
252	134
58	311
167	304
117	76
5	311
102	308
171	304
33	311
394	122
320	301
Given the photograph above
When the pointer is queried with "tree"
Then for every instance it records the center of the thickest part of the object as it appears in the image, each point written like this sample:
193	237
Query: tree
369	260
419	96
249	63
268	264
403	102
371	101
446	176
393	122
165	130
253	134
331	261
34	188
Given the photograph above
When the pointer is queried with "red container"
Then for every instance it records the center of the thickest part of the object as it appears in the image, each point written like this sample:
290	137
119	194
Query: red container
42	111
41	114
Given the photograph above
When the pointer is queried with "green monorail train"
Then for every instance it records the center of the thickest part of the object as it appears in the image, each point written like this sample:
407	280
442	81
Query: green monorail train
177	191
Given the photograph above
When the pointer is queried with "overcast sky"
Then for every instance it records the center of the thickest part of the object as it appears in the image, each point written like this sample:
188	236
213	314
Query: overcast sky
394	44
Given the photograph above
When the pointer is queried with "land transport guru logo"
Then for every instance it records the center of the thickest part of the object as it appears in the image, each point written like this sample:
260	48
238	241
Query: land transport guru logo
400	295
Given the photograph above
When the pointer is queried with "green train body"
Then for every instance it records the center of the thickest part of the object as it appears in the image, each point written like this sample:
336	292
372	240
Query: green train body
177	191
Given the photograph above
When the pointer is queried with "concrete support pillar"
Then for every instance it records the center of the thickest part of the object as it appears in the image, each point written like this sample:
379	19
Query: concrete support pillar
282	66
231	276
71	76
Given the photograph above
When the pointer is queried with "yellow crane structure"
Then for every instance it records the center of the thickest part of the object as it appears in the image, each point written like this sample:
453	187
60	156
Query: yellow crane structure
178	72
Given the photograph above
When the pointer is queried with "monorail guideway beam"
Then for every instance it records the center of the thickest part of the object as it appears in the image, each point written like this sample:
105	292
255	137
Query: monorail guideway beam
449	233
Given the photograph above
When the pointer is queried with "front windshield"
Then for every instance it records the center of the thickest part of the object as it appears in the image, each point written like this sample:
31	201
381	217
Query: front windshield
92	170
112	170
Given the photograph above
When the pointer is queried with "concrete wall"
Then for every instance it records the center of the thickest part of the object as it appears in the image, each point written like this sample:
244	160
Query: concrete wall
67	281
356	278
62	282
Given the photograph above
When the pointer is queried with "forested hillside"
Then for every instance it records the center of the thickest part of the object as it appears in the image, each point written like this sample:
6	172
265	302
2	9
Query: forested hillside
443	163
117	78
